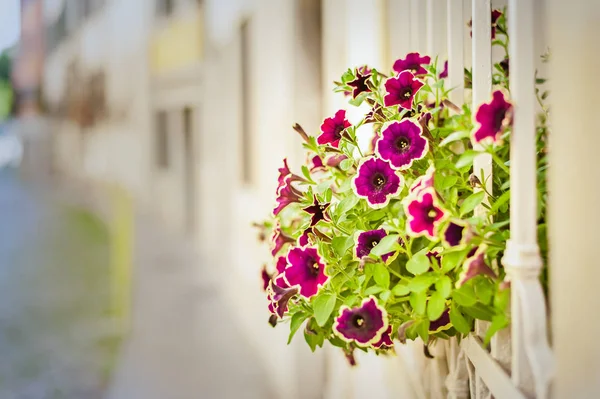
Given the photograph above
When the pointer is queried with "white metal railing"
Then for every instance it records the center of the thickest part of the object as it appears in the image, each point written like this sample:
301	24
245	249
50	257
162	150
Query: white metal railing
519	361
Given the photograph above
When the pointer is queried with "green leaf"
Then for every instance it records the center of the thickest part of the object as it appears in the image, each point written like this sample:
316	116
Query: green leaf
400	289
374	289
499	322
323	306
385	295
306	173
459	322
465	296
328	194
484	290
418	301
446	182
418	264
471	202
451	260
381	275
444	286
346	164
479	311
314	340
452	137
348	76
435	306
387	244
351	300
341	244
500	201
466	159
321	187
423	330
296	322
421	283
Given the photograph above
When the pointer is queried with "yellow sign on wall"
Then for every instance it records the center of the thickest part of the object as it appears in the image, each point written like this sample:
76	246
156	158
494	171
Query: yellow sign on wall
177	45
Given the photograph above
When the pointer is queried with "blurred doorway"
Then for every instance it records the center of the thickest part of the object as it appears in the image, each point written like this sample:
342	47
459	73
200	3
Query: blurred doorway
189	175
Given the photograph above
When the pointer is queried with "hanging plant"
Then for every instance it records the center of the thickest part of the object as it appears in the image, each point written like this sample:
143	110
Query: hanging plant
402	239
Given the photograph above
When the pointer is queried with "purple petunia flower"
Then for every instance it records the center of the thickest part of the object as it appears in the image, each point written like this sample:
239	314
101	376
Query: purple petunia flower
444	73
278	240
286	194
305	270
303	239
475	265
424	214
491	119
401	90
496	14
279	298
266	277
317	211
376	181
442	323
367	240
363	325
414	63
422	182
402	143
332	128
315	163
456	233
386	339
359	84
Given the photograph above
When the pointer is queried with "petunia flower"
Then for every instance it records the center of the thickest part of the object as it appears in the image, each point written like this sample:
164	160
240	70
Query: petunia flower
402	143
367	240
279	297
332	128
401	90
422	182
491	119
359	84
496	14
376	181
279	279
266	277
386	339
444	73
286	194
303	239
364	324
334	160
315	163
424	214
414	63
456	233
474	266
318	211
442	322
305	270
278	240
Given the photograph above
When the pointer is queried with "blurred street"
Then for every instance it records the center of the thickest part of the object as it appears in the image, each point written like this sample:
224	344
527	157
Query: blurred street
55	336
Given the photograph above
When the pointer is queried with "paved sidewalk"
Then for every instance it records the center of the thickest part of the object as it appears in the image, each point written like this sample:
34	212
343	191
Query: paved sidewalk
183	342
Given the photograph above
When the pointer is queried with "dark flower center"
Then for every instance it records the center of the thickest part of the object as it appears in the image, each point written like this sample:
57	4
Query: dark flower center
406	92
431	214
374	242
499	119
314	269
378	180
358	321
403	144
337	132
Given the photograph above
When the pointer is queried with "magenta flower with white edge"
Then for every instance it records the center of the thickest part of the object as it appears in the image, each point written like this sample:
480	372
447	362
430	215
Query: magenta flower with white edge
401	90
266	277
402	143
279	298
377	182
367	240
286	194
414	63
424	214
491	120
444	73
441	323
316	164
332	129
474	266
363	325
386	339
422	182
456	234
279	240
303	239
305	270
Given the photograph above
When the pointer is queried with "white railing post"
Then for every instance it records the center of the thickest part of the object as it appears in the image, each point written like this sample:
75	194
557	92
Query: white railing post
456	56
436	23
417	25
531	359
